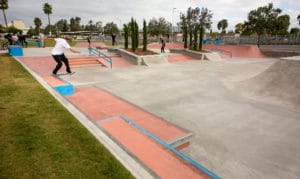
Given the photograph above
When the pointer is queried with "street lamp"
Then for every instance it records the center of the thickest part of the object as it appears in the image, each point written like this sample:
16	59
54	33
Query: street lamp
172	24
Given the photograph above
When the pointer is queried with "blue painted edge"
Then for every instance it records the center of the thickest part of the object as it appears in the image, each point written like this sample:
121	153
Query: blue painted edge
186	158
65	90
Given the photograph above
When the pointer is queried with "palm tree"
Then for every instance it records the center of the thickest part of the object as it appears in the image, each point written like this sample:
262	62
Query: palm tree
223	24
48	10
4	6
38	24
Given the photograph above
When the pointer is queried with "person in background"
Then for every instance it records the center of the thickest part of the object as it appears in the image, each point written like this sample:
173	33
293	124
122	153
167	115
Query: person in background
9	38
15	39
163	45
42	39
89	39
58	54
22	39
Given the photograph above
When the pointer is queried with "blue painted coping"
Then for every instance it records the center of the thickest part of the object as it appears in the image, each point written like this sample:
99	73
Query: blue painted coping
65	89
186	158
15	50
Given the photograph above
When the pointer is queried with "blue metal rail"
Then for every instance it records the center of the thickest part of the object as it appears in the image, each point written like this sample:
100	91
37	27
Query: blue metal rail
101	55
222	51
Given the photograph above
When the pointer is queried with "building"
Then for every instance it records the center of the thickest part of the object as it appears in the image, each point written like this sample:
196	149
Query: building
20	25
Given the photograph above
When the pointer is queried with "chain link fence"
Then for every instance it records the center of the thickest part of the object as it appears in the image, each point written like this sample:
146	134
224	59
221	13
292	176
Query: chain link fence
264	40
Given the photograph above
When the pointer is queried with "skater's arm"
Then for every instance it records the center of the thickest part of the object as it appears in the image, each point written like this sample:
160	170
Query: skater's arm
74	51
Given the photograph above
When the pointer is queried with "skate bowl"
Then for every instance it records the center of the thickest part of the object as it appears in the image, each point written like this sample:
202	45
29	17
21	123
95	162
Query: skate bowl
237	51
279	84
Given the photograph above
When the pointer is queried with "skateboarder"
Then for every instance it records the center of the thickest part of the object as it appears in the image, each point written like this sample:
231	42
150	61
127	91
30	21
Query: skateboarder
59	56
163	45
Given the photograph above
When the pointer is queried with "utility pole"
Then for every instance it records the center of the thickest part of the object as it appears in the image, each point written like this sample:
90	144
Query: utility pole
172	24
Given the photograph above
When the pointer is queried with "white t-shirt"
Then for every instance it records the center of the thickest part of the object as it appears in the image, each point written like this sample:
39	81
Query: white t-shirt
60	46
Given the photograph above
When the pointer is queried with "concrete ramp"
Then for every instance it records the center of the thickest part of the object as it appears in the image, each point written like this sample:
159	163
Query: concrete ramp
238	51
279	84
214	56
154	59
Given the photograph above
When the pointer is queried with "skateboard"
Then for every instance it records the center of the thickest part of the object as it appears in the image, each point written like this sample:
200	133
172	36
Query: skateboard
60	74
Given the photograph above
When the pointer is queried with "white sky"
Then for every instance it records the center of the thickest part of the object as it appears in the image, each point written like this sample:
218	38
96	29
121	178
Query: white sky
121	11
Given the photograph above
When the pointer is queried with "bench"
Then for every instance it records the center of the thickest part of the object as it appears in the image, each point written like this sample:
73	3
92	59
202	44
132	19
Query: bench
38	43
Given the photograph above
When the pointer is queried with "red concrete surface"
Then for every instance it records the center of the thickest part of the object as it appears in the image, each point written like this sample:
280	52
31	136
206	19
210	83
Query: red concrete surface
239	51
179	58
93	44
98	104
168	46
43	66
54	81
158	158
119	61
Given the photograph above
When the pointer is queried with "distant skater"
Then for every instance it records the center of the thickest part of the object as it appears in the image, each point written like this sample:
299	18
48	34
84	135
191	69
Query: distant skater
163	45
89	39
58	54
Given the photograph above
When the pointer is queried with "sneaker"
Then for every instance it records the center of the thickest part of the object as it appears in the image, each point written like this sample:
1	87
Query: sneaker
70	73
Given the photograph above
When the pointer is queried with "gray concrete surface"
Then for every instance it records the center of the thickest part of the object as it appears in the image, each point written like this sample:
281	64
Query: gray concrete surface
234	136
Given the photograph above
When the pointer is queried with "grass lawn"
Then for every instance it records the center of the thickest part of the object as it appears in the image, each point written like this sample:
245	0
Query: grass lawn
40	138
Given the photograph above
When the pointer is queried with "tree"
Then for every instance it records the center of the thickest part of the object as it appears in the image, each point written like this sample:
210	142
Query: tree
190	25
132	32
62	25
239	27
222	24
112	30
298	18
13	30
158	27
282	25
126	34
75	24
262	20
205	23
38	24
99	27
184	27
295	31
48	10
30	32
4	6
145	36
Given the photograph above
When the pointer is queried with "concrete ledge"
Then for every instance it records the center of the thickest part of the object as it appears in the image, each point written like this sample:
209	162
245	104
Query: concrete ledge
137	60
212	56
196	55
143	60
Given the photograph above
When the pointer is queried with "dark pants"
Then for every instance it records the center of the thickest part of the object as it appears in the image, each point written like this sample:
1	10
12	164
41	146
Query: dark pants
59	59
162	49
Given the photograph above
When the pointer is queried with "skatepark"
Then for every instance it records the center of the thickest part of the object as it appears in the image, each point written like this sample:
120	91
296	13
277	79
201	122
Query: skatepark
232	117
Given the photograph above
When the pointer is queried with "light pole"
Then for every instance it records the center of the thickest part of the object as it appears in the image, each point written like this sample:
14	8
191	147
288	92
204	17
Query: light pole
172	24
120	23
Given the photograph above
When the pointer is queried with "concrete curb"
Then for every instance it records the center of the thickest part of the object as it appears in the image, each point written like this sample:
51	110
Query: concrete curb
131	164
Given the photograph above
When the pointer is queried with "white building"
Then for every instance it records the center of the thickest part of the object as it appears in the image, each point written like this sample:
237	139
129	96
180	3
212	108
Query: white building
20	25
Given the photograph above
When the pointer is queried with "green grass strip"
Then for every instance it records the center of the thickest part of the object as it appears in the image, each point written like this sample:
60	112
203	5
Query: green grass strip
40	138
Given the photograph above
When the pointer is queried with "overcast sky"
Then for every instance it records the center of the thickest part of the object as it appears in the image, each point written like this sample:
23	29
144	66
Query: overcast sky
120	11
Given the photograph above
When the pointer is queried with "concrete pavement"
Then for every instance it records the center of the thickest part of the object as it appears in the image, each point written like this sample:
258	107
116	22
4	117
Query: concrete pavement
234	135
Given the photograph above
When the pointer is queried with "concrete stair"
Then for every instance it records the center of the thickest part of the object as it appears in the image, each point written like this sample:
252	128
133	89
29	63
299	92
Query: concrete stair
84	61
